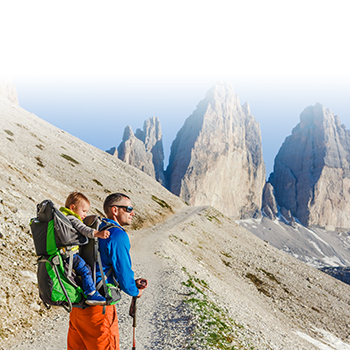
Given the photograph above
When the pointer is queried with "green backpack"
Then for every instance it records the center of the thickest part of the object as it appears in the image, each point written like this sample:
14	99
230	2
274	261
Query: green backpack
57	282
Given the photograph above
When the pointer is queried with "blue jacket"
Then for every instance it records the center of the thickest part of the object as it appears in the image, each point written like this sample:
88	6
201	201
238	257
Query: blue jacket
115	252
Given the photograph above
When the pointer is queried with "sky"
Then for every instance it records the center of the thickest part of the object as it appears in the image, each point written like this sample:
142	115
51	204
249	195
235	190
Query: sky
91	68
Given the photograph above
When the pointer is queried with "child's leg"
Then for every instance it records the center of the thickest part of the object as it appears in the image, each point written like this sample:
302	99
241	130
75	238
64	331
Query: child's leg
84	270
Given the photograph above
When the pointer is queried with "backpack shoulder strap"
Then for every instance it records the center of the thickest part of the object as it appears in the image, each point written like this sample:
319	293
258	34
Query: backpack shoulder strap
109	272
104	277
109	225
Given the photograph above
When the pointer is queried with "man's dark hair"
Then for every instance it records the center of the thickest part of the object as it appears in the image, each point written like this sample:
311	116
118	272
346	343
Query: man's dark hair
111	200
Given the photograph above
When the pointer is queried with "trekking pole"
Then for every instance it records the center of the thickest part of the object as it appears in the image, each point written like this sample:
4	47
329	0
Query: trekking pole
132	313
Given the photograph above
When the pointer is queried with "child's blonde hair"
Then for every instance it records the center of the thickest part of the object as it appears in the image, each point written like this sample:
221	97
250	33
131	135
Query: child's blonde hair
75	198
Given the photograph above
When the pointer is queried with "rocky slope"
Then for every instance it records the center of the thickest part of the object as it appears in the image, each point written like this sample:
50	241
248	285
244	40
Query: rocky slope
316	247
311	174
216	158
144	149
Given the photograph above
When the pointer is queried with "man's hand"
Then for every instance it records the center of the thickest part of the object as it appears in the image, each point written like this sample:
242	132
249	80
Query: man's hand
141	283
101	234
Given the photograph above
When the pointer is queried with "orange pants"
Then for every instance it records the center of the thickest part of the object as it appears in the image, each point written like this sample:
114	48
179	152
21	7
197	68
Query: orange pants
89	329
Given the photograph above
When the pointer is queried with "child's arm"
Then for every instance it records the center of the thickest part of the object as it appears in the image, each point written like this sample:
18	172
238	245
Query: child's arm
101	234
86	230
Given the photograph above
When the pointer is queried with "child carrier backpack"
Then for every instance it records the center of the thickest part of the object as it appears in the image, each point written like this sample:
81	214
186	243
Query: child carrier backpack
90	253
57	282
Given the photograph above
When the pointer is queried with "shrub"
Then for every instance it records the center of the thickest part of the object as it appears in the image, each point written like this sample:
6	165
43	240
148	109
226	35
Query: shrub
97	182
162	203
39	162
69	158
9	132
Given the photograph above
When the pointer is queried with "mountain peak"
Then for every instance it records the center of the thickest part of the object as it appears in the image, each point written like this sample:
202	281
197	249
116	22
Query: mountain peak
128	133
217	139
312	170
315	114
144	149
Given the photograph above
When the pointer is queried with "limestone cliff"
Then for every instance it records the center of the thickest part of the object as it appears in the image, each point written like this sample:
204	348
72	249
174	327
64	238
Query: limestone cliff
311	174
144	149
216	158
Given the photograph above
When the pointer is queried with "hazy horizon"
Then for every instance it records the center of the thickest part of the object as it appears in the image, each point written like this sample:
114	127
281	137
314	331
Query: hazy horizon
98	110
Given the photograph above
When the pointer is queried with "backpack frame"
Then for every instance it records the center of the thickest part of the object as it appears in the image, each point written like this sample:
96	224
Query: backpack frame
57	282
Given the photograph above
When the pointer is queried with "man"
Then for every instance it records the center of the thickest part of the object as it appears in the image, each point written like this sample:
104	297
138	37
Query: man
90	328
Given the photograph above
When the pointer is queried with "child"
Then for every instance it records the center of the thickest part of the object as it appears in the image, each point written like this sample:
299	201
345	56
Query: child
76	207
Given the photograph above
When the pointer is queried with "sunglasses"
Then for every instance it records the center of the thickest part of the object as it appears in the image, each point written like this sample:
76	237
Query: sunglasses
128	209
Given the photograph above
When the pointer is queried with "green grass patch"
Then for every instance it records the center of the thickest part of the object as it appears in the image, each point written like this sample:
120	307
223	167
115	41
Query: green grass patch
226	263
39	162
97	182
259	284
3	334
214	218
9	132
214	329
69	158
162	203
271	276
175	238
